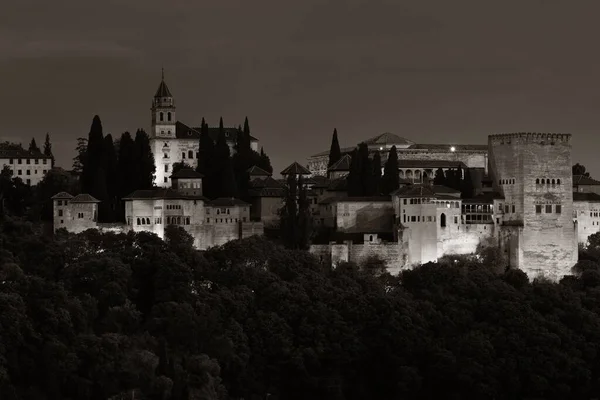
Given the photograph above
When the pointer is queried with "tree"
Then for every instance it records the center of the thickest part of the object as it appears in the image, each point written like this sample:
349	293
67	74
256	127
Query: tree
391	178
224	176
108	210
335	154
375	186
48	148
288	224
467	189
265	162
94	158
33	147
143	161
360	176
79	159
579	169
206	162
304	218
440	177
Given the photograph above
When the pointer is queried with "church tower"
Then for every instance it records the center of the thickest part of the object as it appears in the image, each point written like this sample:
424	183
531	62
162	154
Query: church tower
163	112
163	134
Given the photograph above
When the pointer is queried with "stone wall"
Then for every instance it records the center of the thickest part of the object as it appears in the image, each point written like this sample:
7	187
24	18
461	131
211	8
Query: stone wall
364	216
174	151
75	217
391	253
466	238
587	215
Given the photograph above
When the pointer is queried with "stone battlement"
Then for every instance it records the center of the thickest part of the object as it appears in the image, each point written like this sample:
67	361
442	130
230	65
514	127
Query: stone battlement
529	137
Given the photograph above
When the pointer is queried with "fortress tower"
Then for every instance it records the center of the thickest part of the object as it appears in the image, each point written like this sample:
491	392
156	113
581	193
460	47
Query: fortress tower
533	173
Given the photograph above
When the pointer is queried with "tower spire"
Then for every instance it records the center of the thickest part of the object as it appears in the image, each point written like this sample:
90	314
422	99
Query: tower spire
162	74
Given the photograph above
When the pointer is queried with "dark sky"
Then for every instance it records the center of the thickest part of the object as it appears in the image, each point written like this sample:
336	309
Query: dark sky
433	71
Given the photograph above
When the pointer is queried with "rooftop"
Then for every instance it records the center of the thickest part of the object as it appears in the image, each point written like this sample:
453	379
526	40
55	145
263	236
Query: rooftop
421	190
84	198
62	196
227	202
257	171
187	173
343	164
161	194
388	138
295	169
584	180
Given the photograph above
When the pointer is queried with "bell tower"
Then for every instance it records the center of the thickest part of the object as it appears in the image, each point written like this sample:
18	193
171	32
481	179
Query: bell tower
163	112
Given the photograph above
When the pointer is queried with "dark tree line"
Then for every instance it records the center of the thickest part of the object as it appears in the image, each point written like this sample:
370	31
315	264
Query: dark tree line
110	172
226	174
457	179
365	177
295	218
105	316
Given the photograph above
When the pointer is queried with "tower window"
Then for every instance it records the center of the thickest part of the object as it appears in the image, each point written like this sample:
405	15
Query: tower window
161	117
558	209
548	208
168	116
443	220
183	155
190	154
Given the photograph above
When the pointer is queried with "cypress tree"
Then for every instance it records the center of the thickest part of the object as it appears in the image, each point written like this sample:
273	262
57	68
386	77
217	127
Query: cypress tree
391	178
108	209
265	162
206	162
288	213
48	148
94	157
366	170
125	172
439	178
467	187
376	177
144	161
223	173
335	152
353	178
33	147
304	218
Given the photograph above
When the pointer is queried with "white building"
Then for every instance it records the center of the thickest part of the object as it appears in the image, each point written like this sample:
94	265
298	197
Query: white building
30	167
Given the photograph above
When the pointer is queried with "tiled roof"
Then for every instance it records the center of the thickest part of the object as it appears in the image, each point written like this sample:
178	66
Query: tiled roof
457	147
344	150
161	193
163	90
591	197
295	169
388	138
257	171
266	187
338	185
182	131
319	182
187	173
343	164
420	190
84	198
430	164
358	199
487	198
62	196
227	202
11	150
584	180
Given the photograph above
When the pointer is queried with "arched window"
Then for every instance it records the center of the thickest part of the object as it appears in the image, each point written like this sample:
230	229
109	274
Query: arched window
558	181
190	154
553	182
513	181
543	181
370	238
139	222
147	221
169	116
537	181
162	116
228	211
443	220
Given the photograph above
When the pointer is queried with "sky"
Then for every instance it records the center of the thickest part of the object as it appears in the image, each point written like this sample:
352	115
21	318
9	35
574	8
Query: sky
432	71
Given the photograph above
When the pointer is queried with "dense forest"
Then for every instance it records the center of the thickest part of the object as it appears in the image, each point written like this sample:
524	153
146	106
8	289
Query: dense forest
129	316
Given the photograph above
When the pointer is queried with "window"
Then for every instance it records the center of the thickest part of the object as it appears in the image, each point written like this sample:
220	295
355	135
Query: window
538	209
506	208
10	160
537	181
161	117
165	179
166	167
60	202
207	219
190	154
548	208
20	161
45	161
19	172
455	219
183	155
28	161
513	208
558	181
28	172
404	201
60	213
80	215
443	220
37	161
168	116
158	220
558	209
139	222
44	171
